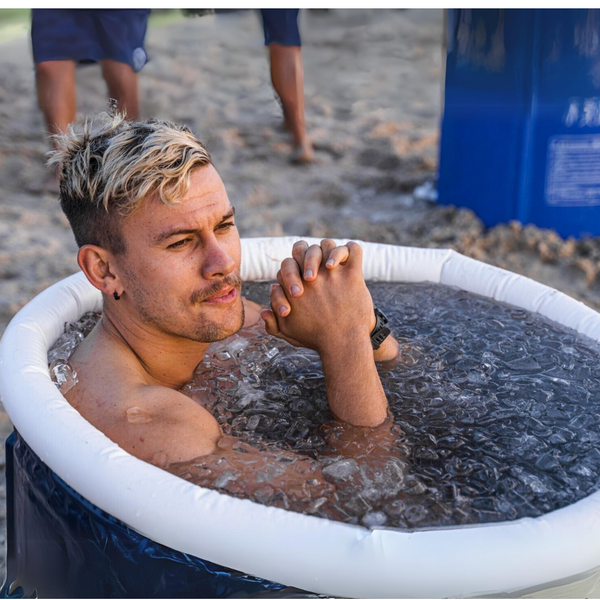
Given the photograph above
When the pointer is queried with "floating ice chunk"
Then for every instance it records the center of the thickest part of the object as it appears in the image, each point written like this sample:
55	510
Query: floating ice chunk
236	346
581	470
583	421
395	507
264	494
534	483
253	422
414	487
272	353
271	471
301	405
547	462
63	375
224	479
316	504
374	519
414	514
526	364
65	345
247	396
424	453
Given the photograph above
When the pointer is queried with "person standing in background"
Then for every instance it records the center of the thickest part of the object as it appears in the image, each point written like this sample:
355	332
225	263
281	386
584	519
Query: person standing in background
287	75
61	38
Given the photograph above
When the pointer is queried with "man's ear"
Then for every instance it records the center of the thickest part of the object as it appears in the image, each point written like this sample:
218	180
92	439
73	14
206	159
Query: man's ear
95	262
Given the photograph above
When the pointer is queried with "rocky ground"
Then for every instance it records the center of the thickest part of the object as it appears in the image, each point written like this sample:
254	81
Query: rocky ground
373	84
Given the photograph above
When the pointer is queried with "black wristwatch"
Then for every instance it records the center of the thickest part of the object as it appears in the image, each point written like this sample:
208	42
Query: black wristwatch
380	331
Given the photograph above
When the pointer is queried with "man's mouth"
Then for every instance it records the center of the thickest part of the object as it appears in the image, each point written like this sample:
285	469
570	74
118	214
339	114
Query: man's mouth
224	296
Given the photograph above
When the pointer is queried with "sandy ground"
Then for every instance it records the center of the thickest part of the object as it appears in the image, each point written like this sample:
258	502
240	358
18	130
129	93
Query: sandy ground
373	84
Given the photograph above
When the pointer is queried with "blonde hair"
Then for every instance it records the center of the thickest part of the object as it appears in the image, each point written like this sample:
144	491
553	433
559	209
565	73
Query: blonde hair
108	166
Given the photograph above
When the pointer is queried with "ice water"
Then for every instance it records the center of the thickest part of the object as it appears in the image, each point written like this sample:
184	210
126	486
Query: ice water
494	416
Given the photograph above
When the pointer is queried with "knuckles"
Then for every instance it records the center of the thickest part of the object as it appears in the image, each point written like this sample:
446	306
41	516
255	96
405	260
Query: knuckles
288	264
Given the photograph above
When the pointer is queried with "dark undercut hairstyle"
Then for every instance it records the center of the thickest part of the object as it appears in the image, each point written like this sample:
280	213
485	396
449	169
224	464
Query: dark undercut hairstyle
108	166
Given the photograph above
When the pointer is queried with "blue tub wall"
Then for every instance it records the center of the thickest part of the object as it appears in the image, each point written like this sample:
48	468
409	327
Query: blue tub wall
62	546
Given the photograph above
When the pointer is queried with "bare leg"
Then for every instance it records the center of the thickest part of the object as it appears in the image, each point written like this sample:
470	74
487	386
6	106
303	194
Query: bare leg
287	75
56	93
122	84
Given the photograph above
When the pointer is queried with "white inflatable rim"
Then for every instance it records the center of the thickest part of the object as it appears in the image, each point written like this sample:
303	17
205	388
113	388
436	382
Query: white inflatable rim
307	552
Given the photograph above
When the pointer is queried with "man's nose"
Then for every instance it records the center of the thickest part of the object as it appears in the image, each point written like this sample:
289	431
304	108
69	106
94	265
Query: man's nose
217	261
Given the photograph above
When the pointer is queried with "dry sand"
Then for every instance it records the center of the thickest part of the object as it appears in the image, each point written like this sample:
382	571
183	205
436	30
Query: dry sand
373	84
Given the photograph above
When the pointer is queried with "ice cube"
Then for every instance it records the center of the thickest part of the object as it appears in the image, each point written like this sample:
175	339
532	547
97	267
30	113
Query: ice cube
63	375
374	519
224	479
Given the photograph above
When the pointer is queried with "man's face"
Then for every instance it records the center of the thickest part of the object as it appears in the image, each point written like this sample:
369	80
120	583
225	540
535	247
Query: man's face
181	268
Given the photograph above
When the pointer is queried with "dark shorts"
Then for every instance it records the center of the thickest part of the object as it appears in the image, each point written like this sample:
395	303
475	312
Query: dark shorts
281	26
87	35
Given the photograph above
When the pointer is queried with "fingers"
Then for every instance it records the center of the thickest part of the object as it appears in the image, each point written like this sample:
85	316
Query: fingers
298	251
279	302
306	261
289	277
327	245
310	258
355	255
312	262
338	256
271	326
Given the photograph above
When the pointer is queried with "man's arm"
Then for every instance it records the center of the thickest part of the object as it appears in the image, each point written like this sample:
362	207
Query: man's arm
176	433
334	316
354	390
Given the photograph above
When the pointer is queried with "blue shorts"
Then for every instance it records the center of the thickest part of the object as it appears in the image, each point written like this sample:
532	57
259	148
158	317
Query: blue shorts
281	26
88	35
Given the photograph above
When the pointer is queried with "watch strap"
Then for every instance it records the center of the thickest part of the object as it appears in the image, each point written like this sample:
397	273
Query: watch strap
380	331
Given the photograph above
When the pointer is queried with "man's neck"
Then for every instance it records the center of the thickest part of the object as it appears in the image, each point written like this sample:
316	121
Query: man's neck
168	360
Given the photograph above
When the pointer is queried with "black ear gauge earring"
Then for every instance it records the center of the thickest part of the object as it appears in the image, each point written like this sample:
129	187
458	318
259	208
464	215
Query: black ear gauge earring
116	296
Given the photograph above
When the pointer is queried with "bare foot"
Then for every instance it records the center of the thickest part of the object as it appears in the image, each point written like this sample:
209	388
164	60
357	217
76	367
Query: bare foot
303	153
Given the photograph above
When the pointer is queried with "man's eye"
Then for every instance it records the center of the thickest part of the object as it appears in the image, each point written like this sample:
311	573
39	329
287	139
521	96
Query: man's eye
179	244
226	225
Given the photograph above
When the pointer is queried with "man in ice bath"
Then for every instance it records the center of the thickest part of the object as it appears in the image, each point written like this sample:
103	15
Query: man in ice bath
157	236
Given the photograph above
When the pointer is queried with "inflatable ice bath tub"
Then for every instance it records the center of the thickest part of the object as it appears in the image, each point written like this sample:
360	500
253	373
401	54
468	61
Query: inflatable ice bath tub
85	518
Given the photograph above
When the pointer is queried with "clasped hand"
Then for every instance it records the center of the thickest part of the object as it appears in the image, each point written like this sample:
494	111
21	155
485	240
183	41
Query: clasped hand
321	300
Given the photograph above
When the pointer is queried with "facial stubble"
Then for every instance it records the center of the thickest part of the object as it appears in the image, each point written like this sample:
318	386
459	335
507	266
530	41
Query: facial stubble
152	311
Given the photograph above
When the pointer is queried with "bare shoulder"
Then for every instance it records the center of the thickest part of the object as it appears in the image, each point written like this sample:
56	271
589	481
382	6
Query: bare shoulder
151	422
167	421
146	420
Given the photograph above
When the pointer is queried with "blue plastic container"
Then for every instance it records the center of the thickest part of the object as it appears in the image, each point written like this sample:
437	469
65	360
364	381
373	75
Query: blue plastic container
521	127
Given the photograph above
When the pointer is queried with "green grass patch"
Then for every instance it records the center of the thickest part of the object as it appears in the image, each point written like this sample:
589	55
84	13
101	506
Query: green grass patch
164	16
14	23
